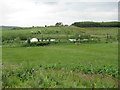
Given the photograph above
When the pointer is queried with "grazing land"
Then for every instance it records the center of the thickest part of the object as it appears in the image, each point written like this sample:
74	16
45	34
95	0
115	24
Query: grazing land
90	63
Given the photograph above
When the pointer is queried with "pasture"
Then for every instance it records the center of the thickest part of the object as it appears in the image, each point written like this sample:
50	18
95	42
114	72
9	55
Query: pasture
64	32
60	64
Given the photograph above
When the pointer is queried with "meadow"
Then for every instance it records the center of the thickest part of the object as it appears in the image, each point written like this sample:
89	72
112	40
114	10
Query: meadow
61	65
63	32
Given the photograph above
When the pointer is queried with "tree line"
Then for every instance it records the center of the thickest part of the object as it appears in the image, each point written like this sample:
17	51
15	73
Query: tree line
96	24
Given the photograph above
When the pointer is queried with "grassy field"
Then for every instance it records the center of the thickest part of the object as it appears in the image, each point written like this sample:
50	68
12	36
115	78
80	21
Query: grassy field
61	66
57	32
70	29
65	54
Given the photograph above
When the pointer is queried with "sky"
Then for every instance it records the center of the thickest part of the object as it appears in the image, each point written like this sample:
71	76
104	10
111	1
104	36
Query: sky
48	12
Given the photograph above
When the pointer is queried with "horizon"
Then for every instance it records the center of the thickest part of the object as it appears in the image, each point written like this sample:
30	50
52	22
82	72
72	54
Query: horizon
53	24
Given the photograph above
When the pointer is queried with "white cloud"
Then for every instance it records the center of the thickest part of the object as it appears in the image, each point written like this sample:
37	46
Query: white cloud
34	12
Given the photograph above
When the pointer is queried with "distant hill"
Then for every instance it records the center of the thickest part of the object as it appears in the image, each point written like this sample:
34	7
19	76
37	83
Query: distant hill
96	24
8	26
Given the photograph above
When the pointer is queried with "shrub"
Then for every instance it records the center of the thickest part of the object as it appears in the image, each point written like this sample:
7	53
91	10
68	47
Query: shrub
37	44
85	37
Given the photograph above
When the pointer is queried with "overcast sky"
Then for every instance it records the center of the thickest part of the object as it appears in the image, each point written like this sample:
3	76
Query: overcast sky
48	12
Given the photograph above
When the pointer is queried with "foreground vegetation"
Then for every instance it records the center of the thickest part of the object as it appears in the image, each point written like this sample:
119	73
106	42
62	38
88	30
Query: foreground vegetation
83	66
53	77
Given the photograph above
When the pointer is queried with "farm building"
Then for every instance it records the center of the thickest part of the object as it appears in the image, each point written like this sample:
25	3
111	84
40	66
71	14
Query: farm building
52	39
85	39
72	39
44	40
34	40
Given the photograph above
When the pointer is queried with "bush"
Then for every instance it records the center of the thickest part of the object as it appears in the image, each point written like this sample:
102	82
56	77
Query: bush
89	41
85	37
37	44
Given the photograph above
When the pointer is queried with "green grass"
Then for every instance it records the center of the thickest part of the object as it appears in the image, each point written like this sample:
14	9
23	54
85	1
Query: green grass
83	66
60	65
72	29
58	32
42	78
99	53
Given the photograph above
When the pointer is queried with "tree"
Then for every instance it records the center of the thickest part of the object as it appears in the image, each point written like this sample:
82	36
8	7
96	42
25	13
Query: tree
28	41
59	24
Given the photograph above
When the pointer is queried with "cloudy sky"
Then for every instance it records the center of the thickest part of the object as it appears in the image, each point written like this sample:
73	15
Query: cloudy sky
48	12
